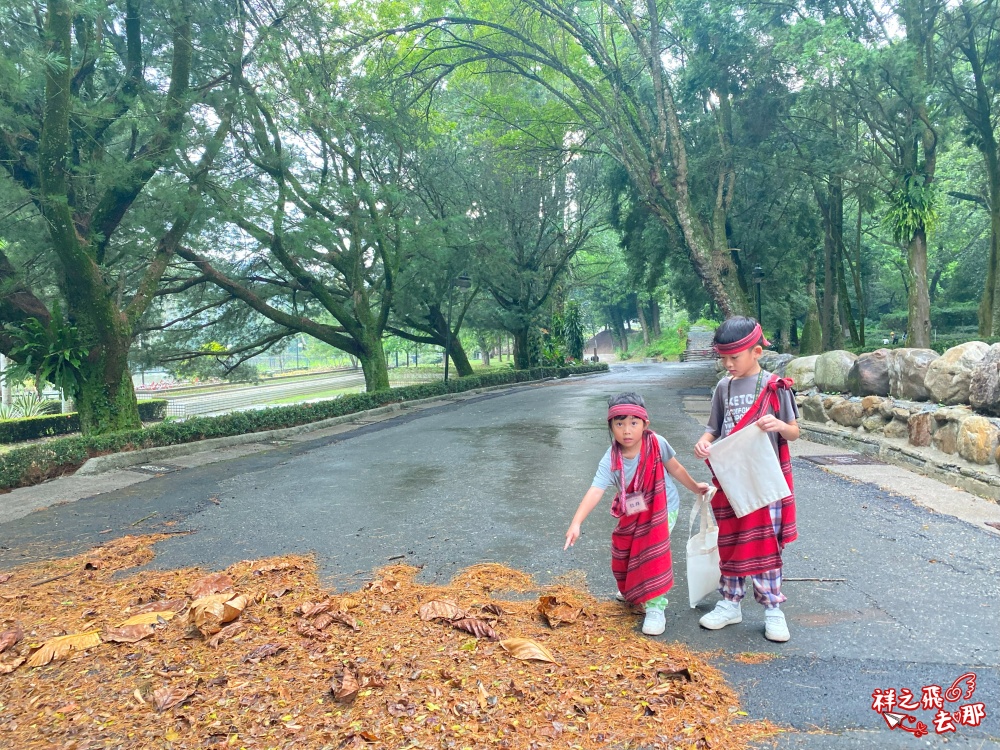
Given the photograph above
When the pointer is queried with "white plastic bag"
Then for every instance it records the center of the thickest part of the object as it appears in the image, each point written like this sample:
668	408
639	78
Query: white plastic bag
703	551
748	470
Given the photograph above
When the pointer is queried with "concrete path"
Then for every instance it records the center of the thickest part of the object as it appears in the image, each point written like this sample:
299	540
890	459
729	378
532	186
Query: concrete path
912	603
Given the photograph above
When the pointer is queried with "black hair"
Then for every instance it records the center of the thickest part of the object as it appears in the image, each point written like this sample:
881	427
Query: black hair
629	397
735	328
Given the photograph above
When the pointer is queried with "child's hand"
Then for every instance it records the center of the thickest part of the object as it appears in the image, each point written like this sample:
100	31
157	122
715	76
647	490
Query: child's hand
702	487
572	535
702	448
770	423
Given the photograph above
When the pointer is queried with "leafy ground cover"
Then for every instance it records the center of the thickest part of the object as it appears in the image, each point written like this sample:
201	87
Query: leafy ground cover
96	654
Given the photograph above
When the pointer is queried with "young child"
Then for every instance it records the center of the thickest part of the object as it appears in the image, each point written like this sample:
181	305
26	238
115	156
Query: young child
645	503
752	545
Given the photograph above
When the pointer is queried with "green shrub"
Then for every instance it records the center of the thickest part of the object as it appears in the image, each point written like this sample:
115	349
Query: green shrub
31	428
153	410
32	464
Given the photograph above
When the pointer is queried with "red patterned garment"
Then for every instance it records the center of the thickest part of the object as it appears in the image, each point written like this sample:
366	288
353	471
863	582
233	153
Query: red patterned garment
640	545
749	545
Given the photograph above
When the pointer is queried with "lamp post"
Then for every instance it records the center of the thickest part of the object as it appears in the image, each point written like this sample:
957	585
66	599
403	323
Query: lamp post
758	276
464	282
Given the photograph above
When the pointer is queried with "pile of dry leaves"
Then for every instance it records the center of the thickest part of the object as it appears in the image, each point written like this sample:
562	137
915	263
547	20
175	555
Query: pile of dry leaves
260	656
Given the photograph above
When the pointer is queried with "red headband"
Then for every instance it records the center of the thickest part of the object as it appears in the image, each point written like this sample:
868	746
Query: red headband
751	339
627	410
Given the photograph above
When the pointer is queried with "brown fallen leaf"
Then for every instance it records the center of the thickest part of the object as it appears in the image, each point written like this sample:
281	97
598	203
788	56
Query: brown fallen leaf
95	564
271	567
168	697
557	612
527	649
674	674
305	629
309	609
440	609
479	628
400	708
494	609
346	619
216	583
262	652
227	632
384	585
62	646
323	621
210	613
164	605
8	667
278	592
149	618
128	633
4	577
345	689
9	637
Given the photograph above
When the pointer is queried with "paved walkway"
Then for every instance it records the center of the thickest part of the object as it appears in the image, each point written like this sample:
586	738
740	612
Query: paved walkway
884	592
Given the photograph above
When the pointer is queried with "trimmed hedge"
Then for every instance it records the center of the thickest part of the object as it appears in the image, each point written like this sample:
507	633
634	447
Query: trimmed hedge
36	463
32	428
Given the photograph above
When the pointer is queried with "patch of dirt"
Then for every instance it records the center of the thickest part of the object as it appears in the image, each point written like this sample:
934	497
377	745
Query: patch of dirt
266	658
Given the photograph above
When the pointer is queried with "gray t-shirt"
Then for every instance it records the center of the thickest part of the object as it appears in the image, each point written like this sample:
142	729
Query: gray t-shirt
742	396
605	478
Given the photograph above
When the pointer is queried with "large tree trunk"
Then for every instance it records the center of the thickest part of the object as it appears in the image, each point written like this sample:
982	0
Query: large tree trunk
372	359
654	318
105	398
459	358
918	328
522	349
642	322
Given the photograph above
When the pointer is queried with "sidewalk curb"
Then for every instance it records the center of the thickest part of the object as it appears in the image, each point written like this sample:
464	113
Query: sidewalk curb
977	482
125	459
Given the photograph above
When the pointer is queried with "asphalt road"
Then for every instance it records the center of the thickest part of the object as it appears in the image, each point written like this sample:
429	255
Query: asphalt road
497	478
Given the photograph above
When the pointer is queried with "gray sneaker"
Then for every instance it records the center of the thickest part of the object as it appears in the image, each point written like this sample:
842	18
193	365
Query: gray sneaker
775	627
725	613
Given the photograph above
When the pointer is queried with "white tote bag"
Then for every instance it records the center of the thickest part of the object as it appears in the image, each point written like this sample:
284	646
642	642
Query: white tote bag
748	470
703	551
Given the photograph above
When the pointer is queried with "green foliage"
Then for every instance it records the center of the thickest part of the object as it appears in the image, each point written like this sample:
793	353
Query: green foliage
32	428
28	405
52	353
573	330
19	429
666	347
36	463
911	209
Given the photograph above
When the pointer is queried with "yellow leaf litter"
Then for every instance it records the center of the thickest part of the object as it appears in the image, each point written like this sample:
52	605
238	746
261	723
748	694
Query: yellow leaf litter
279	676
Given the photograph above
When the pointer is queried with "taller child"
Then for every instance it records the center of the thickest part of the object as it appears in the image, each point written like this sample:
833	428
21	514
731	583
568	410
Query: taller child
751	546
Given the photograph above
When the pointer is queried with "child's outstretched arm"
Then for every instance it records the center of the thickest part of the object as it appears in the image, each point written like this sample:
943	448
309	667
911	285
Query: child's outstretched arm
770	423
704	445
589	502
678	472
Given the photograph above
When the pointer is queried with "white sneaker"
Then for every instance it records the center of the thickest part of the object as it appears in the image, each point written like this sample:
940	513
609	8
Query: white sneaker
775	627
619	596
725	613
655	622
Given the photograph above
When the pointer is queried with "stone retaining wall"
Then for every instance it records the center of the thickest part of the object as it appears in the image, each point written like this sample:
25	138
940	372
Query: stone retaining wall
949	402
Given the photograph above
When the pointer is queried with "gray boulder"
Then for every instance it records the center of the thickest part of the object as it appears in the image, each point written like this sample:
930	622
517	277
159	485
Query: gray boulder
847	413
977	440
870	374
908	371
775	362
984	386
812	409
832	369
802	370
949	376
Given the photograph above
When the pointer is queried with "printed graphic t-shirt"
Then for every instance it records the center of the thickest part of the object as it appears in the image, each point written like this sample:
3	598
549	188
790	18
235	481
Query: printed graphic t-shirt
741	397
